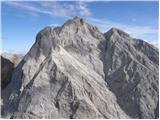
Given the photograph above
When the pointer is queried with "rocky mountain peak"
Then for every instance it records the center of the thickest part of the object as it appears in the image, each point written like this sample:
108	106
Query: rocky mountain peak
79	25
76	71
77	17
115	32
76	20
73	34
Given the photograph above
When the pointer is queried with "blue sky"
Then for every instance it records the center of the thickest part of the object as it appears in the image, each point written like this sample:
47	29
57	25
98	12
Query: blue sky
21	21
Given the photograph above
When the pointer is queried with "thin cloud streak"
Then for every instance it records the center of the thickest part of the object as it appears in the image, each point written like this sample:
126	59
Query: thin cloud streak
54	8
104	25
28	7
84	10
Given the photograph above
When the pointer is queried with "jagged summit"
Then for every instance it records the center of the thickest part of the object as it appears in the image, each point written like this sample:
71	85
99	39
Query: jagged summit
76	20
79	24
77	17
50	38
76	71
116	31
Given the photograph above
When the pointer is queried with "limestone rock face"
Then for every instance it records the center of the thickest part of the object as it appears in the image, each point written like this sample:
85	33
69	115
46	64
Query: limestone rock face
131	68
75	71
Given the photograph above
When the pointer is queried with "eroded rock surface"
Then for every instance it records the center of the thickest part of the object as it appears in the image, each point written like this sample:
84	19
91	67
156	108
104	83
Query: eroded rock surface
75	71
131	68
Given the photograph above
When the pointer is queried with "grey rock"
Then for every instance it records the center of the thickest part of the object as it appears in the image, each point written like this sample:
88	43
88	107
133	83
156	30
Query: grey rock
7	68
131	68
75	71
13	57
8	63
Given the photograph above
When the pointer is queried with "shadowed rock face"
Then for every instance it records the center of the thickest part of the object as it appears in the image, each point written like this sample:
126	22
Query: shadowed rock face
75	71
7	68
14	58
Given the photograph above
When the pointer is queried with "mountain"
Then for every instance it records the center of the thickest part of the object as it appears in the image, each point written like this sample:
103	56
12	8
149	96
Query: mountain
131	70
76	71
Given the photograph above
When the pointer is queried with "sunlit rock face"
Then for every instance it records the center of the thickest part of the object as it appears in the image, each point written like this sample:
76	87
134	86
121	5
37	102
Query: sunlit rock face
76	71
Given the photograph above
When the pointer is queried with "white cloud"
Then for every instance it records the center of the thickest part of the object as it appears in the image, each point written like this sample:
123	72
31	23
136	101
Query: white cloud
84	10
27	6
57	9
105	24
53	8
153	42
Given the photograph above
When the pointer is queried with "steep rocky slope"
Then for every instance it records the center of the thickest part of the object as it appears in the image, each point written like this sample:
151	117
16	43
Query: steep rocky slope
75	71
131	68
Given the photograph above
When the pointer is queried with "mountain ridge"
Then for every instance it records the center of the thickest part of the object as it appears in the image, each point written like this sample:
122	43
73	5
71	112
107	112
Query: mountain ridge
75	71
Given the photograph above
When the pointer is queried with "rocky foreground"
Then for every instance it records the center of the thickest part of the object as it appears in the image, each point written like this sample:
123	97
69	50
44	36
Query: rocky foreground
76	71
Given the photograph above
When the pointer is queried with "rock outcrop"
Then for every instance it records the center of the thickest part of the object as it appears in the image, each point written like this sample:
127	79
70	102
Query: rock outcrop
14	58
75	71
7	68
